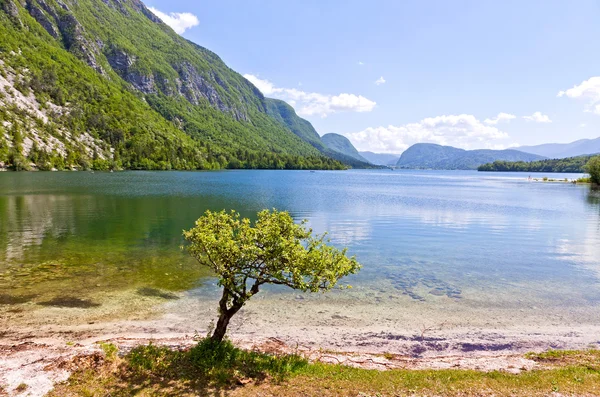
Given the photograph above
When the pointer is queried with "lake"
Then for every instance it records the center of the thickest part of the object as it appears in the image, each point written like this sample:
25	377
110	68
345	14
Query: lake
457	241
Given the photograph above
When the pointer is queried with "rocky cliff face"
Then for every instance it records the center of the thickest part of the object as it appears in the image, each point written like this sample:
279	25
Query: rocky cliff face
147	98
185	79
62	25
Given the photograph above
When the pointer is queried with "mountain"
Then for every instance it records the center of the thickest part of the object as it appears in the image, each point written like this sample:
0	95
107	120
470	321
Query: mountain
341	144
428	155
562	150
286	116
106	84
381	158
569	164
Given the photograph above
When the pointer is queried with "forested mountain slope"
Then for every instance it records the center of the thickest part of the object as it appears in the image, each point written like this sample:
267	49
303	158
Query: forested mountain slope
428	155
105	83
341	144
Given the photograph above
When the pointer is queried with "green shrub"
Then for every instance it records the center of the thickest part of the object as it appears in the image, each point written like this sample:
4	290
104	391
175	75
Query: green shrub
110	351
593	168
213	362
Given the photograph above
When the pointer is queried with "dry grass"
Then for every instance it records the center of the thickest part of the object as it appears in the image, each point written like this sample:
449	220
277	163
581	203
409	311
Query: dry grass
571	373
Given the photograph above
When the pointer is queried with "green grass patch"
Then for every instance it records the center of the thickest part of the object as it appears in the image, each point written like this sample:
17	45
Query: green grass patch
217	369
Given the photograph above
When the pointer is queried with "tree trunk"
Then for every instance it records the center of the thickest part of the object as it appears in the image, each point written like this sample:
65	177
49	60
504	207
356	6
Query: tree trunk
221	327
225	315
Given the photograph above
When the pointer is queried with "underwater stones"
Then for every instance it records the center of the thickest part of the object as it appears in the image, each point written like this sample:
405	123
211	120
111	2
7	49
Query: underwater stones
410	279
156	293
70	302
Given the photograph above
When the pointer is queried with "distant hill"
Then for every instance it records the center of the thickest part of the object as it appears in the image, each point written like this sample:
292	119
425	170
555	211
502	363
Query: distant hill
570	164
286	116
381	158
563	150
428	155
341	144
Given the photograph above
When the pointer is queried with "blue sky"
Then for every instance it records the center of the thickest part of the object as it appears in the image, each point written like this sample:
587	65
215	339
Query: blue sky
388	74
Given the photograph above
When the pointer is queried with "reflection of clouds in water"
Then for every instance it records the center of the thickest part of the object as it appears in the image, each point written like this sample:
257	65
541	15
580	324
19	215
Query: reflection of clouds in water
345	231
585	251
445	218
27	220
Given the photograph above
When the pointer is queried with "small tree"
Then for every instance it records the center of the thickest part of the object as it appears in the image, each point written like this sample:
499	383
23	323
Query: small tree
274	250
593	168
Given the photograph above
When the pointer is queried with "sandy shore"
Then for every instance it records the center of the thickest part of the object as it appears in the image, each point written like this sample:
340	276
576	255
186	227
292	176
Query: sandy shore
355	328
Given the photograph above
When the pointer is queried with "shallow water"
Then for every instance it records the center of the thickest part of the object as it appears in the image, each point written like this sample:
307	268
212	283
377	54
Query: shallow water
490	239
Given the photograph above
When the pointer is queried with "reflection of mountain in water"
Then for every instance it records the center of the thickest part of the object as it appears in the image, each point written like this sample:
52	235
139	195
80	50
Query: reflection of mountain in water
26	220
54	243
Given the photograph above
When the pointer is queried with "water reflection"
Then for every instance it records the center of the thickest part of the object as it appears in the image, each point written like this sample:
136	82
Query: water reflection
427	234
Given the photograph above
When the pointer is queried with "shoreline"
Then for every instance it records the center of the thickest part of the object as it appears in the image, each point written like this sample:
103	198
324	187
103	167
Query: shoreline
37	346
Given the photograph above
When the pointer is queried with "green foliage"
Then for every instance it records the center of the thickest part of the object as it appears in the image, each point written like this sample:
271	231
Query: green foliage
570	164
593	168
224	359
218	363
160	371
160	129
274	250
110	350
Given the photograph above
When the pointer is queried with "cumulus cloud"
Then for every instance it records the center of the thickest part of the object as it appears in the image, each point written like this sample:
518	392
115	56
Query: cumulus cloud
360	63
538	117
380	81
464	131
501	117
312	103
178	21
588	90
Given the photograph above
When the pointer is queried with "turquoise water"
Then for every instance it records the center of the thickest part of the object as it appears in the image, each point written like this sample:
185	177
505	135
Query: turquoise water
424	233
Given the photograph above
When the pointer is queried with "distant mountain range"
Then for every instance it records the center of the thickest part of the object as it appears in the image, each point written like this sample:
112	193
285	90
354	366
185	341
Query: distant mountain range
286	115
340	144
386	159
428	155
563	150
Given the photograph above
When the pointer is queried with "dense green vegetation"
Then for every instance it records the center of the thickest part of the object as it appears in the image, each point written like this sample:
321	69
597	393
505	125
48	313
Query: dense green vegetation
273	250
221	369
117	74
428	155
571	164
593	168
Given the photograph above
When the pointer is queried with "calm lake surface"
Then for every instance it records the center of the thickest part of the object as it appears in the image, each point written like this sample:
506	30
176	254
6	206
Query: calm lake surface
428	234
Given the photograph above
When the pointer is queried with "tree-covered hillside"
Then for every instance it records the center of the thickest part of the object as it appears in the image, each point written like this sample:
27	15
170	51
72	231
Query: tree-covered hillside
105	84
428	155
571	164
341	144
286	116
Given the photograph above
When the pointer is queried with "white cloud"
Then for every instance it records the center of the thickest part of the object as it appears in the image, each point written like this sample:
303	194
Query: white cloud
380	81
360	63
178	21
312	103
588	90
538	117
501	117
464	131
583	125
